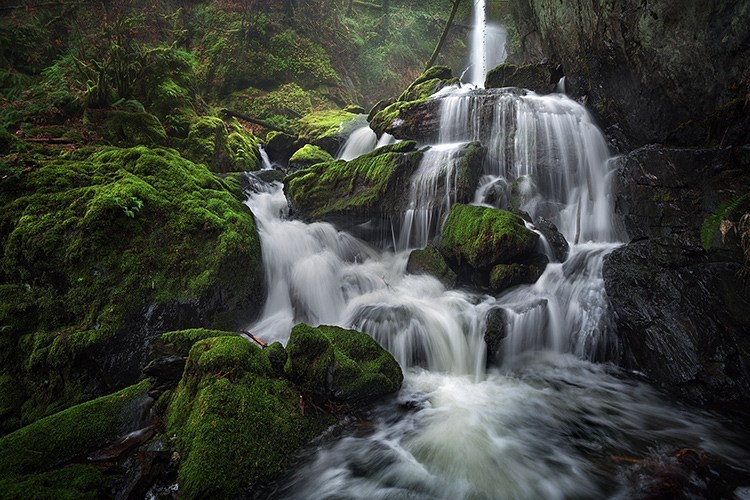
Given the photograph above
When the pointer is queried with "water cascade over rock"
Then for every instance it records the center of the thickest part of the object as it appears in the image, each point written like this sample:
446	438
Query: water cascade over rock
544	420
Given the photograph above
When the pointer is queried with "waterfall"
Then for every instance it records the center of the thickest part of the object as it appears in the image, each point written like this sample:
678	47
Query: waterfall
546	422
487	44
265	161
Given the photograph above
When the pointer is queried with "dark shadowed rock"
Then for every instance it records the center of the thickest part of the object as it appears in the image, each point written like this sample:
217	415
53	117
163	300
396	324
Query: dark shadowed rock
534	77
682	319
429	261
556	240
494	334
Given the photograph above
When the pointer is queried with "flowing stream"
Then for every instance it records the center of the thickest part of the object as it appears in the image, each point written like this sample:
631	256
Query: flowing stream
551	418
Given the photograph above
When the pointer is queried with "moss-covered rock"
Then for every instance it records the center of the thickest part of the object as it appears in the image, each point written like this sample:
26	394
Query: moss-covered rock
235	423
124	128
414	115
364	186
429	261
307	156
504	276
326	129
63	436
344	365
484	237
181	341
73	482
103	251
222	146
534	77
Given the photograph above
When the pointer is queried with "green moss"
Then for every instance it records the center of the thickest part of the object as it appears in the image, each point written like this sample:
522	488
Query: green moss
234	423
222	146
183	340
323	128
364	183
346	365
123	128
484	237
90	238
70	483
310	155
429	261
534	77
70	433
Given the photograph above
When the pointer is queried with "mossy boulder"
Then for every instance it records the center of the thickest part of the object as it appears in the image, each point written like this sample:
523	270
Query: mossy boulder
103	251
325	129
222	146
429	261
124	128
414	115
534	77
333	363
234	421
356	190
504	276
483	237
74	482
307	156
58	438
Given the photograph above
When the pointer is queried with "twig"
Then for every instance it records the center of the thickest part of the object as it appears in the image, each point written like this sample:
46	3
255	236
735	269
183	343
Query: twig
262	344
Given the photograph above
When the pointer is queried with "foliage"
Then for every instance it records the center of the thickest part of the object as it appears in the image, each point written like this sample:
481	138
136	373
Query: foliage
712	222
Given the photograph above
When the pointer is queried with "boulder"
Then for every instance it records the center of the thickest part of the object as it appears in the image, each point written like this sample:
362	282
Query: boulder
682	319
354	191
325	129
429	261
484	237
333	363
222	146
534	77
494	334
235	423
504	276
558	243
307	156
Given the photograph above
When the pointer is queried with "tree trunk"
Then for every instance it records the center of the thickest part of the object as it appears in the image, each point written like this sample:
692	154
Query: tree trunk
443	37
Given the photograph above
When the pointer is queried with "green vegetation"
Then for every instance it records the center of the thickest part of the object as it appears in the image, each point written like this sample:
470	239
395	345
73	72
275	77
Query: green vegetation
235	423
222	146
364	184
70	483
183	340
324	128
712	222
65	435
484	237
429	261
346	365
91	237
309	155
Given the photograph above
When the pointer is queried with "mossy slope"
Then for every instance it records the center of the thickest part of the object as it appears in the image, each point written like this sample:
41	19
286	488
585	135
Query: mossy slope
93	240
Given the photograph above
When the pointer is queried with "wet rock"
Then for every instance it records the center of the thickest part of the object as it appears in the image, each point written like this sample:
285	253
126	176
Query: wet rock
634	64
429	261
556	240
494	334
484	237
273	175
682	319
504	276
307	156
336	364
280	146
534	77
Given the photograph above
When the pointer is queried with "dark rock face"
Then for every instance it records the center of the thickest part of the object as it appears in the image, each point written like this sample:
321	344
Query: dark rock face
667	72
682	318
681	313
494	334
554	237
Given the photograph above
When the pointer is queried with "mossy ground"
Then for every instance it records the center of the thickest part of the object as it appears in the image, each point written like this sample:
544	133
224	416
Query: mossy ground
483	236
93	236
360	184
310	155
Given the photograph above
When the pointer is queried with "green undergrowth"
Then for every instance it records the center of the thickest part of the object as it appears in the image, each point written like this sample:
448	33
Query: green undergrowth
360	184
92	237
483	236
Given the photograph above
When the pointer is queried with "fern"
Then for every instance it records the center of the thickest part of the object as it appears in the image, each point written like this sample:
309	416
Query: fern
713	221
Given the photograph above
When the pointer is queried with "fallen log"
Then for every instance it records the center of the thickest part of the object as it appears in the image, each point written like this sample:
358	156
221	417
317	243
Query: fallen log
262	344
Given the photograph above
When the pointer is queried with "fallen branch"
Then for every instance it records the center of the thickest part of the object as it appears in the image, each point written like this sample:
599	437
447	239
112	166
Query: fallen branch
262	344
257	121
50	140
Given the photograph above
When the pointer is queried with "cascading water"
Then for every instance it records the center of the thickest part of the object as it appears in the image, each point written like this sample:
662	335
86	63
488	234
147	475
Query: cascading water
547	423
487	44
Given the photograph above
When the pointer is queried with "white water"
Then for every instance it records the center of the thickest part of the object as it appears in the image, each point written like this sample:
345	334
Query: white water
361	141
487	45
548	421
